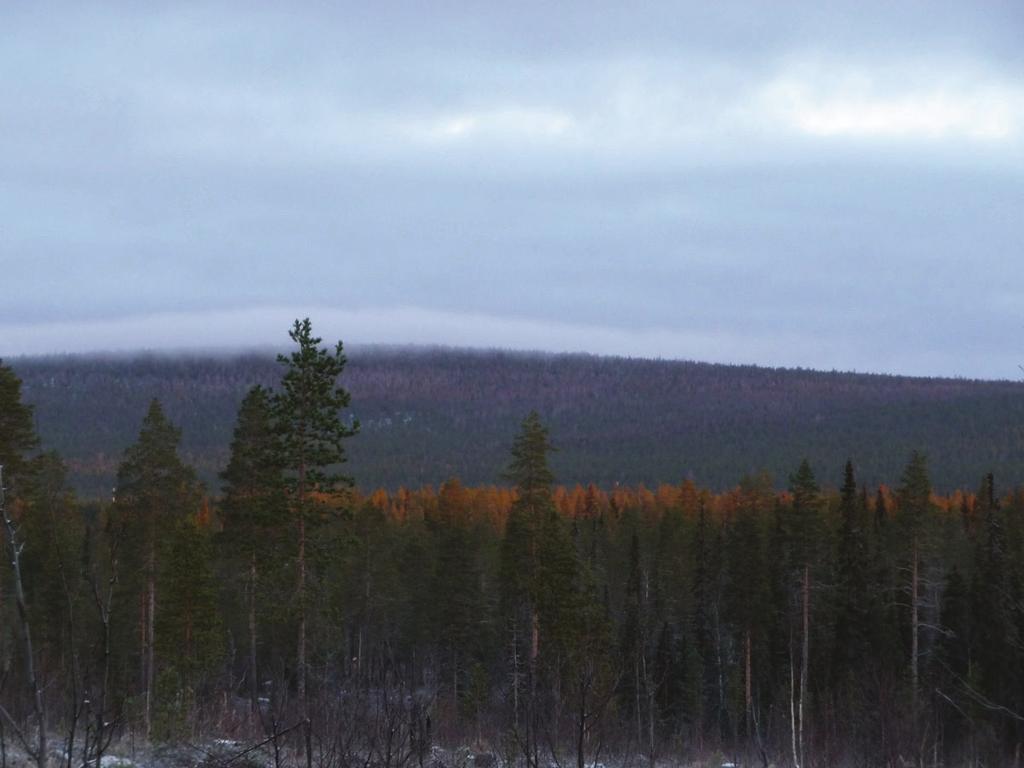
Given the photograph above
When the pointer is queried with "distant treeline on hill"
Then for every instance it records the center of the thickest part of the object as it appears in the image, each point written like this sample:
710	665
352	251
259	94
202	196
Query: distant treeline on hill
431	414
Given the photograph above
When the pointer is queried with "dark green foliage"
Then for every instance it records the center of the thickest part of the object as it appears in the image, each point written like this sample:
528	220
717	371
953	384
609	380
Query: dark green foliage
307	414
520	553
153	484
529	470
993	623
914	495
156	492
854	595
803	523
253	482
309	435
747	597
558	591
459	618
190	640
712	713
953	660
17	431
633	636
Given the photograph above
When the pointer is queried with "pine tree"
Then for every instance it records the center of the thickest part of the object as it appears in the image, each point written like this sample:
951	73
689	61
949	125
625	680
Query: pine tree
307	419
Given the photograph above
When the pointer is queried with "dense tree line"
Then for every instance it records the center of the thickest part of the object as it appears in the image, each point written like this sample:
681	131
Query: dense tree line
429	415
828	623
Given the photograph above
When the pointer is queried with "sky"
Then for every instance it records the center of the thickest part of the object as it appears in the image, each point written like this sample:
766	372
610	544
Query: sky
825	185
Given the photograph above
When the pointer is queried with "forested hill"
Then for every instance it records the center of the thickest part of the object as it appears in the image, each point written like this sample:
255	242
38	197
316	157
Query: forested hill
431	414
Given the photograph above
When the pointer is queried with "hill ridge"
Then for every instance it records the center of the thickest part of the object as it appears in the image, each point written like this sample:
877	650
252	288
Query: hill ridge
430	413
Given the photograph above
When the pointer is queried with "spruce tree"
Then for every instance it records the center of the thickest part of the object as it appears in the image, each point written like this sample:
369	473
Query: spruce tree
520	556
953	660
539	571
17	439
804	536
914	510
993	629
155	491
705	606
633	639
459	606
189	638
253	508
747	594
17	432
852	658
852	641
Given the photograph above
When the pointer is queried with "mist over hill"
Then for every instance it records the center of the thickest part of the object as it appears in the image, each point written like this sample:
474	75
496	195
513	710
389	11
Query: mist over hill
428	414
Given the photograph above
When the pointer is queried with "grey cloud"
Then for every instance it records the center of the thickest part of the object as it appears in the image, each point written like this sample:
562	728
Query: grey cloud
716	180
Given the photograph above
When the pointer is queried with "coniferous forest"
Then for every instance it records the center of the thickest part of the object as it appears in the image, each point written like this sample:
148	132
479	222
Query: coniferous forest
296	614
431	414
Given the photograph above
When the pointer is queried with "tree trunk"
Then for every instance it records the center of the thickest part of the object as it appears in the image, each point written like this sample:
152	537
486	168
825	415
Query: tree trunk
104	609
101	715
515	675
748	694
636	696
254	701
301	589
581	723
914	631
532	726
650	713
38	708
455	685
792	705
150	631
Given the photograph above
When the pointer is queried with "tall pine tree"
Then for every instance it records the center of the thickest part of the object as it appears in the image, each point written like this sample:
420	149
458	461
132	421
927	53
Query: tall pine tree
307	418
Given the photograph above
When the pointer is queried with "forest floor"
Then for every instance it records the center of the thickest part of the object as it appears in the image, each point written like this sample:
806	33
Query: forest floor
211	752
221	753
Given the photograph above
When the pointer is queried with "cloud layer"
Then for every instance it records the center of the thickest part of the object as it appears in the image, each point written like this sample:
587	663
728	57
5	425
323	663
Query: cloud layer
829	187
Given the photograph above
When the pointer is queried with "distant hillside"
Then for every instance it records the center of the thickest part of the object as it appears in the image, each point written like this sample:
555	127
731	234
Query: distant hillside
430	414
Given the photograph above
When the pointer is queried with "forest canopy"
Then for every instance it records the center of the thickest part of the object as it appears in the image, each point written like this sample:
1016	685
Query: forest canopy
814	618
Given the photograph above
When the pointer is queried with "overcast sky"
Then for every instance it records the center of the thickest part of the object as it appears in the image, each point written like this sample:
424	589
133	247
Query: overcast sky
829	185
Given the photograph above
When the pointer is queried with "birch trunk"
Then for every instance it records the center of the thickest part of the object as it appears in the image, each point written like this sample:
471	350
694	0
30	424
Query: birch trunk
805	654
